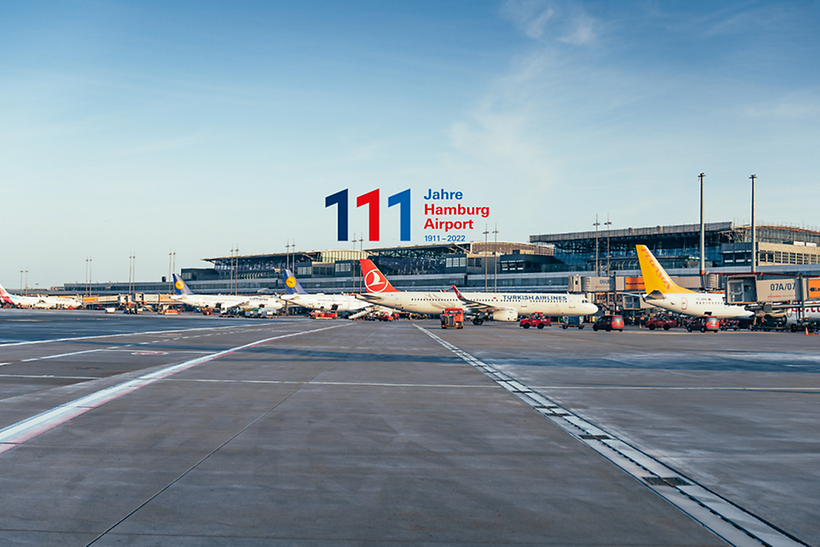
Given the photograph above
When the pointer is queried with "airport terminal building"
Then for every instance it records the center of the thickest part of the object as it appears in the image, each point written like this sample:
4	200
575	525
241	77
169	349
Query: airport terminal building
545	263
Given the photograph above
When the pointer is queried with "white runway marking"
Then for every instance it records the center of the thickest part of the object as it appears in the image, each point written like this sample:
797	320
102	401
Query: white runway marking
31	342
25	430
63	355
723	518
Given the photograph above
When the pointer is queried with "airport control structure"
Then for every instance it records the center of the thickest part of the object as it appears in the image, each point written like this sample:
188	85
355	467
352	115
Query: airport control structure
591	262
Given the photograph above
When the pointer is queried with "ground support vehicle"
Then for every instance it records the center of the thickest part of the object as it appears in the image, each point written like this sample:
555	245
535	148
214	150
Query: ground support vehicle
537	320
664	322
729	324
574	321
452	318
704	323
321	314
609	323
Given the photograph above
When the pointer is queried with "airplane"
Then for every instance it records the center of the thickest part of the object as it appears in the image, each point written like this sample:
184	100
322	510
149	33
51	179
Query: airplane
794	317
484	305
664	293
185	295
39	301
341	303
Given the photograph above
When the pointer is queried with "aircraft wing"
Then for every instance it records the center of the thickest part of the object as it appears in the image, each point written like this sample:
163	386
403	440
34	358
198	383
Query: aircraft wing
474	306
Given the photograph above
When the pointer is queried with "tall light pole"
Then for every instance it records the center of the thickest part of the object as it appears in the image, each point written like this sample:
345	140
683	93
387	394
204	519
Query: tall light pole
597	268
702	236
361	253
607	224
754	229
495	256
484	259
132	274
21	276
236	271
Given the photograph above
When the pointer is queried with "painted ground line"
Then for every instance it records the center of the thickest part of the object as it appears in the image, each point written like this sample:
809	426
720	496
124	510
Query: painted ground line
29	428
723	518
146	333
63	355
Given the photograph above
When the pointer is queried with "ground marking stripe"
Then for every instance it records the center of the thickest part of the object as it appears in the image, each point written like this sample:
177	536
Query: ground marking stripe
725	519
677	388
63	355
30	342
29	428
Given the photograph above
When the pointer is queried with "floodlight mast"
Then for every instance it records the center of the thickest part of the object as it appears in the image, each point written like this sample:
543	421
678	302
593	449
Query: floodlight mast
702	237
754	234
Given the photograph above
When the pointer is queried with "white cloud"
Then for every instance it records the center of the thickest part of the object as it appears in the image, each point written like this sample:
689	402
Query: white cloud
530	16
582	31
797	106
543	20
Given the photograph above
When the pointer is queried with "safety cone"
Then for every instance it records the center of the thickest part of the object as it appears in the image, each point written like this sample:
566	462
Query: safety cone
807	331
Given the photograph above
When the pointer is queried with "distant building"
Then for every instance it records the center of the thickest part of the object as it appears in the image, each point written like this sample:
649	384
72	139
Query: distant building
678	246
545	263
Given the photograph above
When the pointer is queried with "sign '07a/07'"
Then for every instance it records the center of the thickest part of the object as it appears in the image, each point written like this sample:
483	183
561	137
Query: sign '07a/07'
371	199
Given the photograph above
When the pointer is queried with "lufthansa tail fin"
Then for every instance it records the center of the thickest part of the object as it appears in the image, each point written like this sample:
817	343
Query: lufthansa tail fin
655	277
292	285
374	280
180	287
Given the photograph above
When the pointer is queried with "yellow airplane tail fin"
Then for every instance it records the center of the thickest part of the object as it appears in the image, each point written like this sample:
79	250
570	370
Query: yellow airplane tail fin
655	277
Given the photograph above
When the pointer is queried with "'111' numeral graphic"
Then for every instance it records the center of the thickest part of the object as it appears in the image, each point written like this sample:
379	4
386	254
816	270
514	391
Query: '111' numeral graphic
371	199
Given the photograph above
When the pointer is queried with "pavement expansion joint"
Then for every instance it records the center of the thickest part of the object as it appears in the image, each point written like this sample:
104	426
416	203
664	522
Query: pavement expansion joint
725	519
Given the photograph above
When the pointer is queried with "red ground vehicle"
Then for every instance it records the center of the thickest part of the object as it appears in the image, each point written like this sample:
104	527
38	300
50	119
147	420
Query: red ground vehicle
537	320
608	323
452	318
664	322
704	323
321	314
729	324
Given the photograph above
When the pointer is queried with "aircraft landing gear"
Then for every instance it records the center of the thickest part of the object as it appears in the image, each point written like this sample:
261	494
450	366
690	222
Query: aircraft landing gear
478	321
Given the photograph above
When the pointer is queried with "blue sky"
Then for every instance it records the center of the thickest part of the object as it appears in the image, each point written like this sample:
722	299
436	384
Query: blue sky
145	127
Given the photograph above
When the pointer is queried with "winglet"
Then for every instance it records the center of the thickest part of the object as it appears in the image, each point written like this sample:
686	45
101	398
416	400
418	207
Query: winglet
292	285
374	280
180	287
655	277
458	294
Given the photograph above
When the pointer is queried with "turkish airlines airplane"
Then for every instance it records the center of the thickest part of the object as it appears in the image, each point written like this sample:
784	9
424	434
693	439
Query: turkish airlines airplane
341	303
185	295
499	306
48	302
664	293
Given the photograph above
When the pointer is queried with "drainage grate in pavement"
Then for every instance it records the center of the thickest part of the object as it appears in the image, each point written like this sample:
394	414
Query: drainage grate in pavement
595	437
665	481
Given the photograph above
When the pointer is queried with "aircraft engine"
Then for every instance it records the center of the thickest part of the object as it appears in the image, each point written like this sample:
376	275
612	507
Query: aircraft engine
505	315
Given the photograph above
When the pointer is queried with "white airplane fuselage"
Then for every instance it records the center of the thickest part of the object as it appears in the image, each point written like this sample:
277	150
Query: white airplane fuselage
327	302
697	304
228	301
46	302
812	313
513	304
